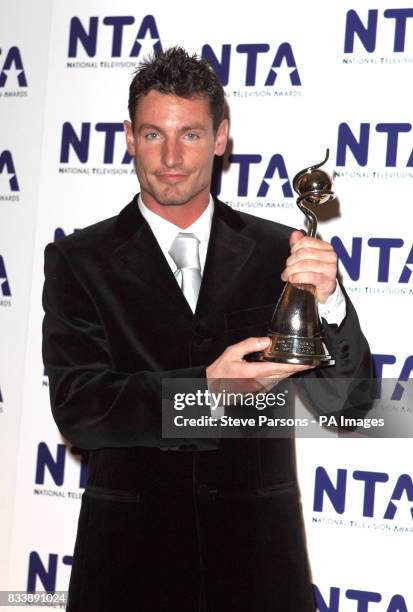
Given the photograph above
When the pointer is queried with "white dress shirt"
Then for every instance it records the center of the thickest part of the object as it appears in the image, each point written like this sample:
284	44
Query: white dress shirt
333	310
165	232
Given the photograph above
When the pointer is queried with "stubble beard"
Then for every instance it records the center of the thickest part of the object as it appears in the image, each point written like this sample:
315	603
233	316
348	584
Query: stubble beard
172	201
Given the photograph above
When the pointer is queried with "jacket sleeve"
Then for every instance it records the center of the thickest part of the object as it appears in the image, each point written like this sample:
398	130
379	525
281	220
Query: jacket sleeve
95	405
348	345
347	388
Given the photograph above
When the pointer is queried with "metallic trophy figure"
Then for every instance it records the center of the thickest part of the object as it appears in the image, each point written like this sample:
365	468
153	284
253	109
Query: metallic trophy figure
295	329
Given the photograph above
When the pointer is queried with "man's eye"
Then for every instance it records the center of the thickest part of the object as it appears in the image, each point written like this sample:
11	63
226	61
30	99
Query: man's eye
151	136
191	136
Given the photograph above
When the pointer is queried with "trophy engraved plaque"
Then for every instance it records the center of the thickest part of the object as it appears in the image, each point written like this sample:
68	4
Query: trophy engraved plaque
295	330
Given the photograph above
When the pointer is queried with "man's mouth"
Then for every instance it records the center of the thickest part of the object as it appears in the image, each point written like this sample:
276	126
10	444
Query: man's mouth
171	177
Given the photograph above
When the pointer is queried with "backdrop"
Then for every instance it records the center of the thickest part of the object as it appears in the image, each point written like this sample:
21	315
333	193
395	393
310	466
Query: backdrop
298	77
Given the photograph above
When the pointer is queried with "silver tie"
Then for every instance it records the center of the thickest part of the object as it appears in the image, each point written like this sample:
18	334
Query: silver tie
185	253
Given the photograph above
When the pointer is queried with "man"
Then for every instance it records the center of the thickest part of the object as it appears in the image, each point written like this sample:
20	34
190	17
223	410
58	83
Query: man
181	525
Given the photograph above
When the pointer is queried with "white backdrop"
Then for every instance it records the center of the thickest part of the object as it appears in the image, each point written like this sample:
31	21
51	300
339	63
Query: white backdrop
298	78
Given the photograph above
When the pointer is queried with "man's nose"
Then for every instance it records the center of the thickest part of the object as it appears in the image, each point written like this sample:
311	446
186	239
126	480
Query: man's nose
172	153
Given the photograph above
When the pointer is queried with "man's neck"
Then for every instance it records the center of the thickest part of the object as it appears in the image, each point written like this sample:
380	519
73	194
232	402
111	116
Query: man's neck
182	215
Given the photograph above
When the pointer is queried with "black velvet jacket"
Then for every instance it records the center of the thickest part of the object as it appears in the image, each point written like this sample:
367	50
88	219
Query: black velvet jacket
116	323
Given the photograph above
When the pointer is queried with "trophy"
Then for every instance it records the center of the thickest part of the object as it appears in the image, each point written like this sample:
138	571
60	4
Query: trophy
295	329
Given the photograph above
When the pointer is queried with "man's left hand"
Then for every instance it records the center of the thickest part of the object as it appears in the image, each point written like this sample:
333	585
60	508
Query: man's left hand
312	261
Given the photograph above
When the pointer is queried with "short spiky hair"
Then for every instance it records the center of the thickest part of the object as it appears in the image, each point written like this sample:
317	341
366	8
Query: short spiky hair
176	72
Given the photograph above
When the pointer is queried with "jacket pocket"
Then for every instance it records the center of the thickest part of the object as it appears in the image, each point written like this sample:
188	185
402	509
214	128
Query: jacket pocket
249	495
112	494
277	489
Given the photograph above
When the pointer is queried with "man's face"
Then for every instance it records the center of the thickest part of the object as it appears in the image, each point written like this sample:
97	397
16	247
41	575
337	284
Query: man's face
173	144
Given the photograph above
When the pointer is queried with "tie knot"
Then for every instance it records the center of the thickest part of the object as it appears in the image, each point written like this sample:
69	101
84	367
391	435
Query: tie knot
185	251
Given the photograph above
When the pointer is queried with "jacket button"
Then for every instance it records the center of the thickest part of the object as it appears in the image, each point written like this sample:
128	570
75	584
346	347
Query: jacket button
205	494
199	341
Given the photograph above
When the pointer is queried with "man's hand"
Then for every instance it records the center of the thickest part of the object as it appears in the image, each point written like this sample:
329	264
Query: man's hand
249	376
312	261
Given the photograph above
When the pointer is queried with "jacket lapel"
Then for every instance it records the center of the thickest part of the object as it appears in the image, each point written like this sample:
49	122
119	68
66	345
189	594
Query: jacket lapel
228	252
140	252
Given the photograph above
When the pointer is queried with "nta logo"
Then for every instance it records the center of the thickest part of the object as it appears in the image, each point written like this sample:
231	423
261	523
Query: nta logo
46	573
87	36
252	52
366	31
13	59
359	143
4	281
331	603
7	165
54	464
274	169
60	233
80	142
381	360
351	257
335	489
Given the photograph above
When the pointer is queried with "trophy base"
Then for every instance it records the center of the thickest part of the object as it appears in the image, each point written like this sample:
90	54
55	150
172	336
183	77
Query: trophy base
296	350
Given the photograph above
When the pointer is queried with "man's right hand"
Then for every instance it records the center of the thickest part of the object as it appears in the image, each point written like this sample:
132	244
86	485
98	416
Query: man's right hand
259	375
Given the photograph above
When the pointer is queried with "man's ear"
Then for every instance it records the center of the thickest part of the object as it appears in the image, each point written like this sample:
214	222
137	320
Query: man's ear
130	139
221	137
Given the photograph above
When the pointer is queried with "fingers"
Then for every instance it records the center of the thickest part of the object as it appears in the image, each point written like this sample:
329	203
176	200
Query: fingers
310	271
320	286
250	345
304	248
295	237
312	254
258	369
307	242
312	261
324	282
269	369
231	364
